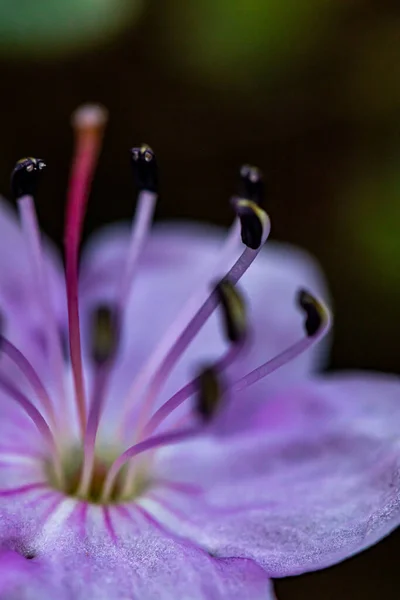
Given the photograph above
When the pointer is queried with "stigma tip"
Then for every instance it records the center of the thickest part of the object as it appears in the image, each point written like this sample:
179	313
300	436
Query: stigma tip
89	117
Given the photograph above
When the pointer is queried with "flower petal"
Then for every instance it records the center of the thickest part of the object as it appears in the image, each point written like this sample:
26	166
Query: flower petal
23	579
119	552
22	311
315	480
175	260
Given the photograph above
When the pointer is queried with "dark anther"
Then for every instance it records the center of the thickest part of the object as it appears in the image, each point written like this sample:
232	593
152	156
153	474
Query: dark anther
25	176
313	310
253	220
234	310
30	555
145	168
105	334
209	394
252	184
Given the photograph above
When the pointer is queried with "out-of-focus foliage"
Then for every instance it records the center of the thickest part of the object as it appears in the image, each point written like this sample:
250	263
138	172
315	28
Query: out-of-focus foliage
233	41
370	217
40	27
373	76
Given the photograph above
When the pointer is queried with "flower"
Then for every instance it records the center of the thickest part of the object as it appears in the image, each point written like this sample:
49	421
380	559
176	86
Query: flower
116	481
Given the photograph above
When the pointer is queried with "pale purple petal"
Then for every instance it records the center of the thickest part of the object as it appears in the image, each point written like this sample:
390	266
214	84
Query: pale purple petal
315	481
116	552
24	579
24	319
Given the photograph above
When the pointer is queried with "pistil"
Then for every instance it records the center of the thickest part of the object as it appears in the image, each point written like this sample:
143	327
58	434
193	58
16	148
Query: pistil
88	122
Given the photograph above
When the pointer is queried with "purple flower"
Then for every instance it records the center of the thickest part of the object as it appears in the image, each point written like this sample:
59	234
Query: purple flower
121	475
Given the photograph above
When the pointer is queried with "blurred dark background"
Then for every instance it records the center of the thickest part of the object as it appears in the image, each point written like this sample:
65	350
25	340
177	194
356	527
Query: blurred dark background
309	90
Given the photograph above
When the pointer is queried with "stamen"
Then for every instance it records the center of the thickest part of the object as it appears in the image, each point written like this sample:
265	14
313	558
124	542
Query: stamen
105	328
25	176
252	184
37	418
181	322
234	310
158	441
210	393
31	232
234	314
23	364
199	319
88	122
316	325
253	220
188	390
185	316
145	168
145	172
315	312
106	332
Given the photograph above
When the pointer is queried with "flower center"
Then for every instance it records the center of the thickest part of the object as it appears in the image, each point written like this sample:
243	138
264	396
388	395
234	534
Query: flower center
72	464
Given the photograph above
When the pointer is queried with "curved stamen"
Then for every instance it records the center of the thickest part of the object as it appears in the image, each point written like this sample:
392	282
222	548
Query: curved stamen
23	364
164	439
187	391
317	325
181	322
235	330
88	122
37	418
199	319
31	231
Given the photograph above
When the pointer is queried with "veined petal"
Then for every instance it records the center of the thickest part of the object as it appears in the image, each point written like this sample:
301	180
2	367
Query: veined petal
89	551
316	480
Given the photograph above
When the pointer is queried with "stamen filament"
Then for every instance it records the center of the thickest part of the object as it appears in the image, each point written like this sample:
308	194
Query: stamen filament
281	359
37	418
140	229
23	364
97	401
185	338
164	439
188	390
182	341
89	123
183	319
31	231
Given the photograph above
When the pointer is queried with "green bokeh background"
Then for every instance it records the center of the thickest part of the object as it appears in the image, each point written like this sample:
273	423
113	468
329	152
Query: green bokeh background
30	28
